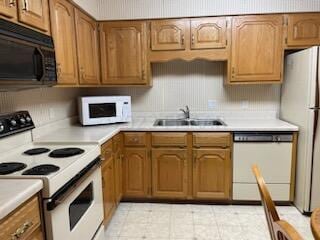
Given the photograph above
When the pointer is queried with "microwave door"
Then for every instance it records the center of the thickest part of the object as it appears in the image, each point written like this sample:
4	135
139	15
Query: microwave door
20	62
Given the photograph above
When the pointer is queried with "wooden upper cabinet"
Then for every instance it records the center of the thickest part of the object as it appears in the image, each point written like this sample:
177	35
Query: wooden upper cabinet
169	34
34	13
87	46
64	36
209	33
169	173
257	49
8	9
124	53
303	29
135	172
212	173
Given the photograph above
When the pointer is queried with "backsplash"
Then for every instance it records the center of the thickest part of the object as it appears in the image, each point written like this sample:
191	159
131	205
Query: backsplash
139	9
178	83
46	105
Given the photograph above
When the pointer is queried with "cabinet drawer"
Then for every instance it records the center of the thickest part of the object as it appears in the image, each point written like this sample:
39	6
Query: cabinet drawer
116	142
222	140
135	139
26	219
169	139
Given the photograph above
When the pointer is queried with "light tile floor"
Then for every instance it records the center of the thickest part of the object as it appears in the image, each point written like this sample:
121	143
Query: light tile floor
133	221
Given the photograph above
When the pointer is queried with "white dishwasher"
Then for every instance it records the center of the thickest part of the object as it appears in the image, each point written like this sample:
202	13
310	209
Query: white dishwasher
272	153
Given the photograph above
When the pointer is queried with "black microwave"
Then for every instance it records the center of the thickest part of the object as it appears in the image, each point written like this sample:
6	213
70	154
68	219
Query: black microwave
27	57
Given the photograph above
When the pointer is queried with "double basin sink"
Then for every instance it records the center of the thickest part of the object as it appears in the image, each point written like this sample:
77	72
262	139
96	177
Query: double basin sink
188	122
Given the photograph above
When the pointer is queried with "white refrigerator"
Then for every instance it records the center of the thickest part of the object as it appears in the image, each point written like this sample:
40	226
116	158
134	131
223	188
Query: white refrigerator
300	106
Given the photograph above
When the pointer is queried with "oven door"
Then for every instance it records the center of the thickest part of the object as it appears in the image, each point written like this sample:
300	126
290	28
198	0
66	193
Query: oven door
101	111
79	214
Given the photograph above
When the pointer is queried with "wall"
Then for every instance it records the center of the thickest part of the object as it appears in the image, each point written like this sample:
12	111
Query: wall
178	83
91	6
46	105
133	9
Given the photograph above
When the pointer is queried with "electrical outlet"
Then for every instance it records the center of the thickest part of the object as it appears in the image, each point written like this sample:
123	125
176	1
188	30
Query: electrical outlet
51	113
212	104
244	104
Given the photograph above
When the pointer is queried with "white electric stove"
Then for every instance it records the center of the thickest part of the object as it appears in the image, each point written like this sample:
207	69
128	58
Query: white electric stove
54	171
72	199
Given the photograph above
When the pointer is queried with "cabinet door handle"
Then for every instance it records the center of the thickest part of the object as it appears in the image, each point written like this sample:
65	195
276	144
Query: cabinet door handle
192	39
12	3
21	230
182	39
25	5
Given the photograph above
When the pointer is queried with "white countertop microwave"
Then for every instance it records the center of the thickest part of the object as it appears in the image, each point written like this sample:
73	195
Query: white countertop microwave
104	109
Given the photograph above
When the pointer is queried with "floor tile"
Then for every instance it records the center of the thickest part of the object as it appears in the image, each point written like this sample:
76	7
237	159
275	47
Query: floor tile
206	232
134	230
145	221
181	231
227	219
231	233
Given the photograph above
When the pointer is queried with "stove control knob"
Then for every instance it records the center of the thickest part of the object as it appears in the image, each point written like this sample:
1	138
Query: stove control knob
22	121
28	119
1	128
13	122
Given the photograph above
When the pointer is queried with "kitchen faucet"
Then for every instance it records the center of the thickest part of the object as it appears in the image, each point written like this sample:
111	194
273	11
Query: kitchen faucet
186	112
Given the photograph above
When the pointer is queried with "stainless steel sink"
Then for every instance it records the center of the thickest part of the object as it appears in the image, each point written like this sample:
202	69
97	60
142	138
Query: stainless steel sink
171	122
188	122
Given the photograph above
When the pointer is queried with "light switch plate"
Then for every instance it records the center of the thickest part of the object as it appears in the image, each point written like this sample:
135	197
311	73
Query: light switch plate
212	104
244	104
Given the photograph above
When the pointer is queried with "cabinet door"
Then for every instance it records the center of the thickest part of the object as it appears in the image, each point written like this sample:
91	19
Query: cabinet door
63	31
209	33
109	201
8	9
135	172
169	34
303	29
34	13
118	176
124	53
212	174
257	52
169	173
87	46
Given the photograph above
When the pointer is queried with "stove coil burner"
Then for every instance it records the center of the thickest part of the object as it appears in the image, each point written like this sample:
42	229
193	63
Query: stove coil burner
36	151
44	169
11	167
66	152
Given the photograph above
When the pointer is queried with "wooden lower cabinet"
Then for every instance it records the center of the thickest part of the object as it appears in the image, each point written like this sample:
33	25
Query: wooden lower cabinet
23	223
118	175
169	173
135	172
109	200
212	174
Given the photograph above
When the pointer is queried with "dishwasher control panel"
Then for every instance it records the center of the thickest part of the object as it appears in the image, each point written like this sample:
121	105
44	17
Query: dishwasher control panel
262	137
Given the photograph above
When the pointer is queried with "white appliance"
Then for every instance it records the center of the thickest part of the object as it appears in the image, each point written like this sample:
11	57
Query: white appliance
71	173
300	106
272	153
104	109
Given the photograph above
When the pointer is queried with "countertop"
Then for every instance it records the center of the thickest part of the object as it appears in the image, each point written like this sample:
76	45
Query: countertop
102	133
14	192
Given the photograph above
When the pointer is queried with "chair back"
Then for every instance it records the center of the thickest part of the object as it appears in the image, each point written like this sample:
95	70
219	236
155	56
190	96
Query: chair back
279	229
267	203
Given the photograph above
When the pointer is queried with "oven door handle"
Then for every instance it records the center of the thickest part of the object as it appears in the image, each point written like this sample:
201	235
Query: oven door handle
63	193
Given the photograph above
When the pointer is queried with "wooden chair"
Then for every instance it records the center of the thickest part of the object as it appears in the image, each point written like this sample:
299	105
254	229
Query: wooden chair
279	229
